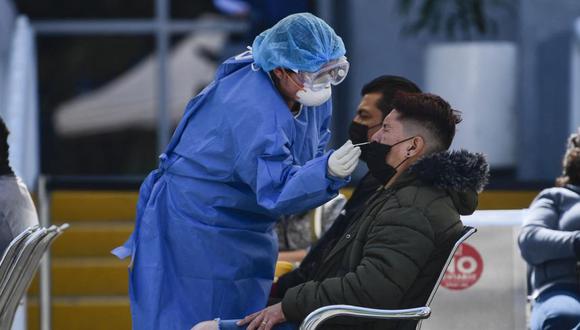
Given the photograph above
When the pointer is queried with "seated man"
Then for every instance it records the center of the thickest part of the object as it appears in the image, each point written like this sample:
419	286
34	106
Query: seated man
374	106
394	248
17	211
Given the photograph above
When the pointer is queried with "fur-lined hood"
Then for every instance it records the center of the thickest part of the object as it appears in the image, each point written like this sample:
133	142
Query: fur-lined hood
453	170
461	173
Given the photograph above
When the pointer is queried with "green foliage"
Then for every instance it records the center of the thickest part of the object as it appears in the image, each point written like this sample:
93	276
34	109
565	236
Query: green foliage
453	18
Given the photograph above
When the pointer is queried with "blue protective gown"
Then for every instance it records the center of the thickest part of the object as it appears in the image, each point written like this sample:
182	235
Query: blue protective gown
203	245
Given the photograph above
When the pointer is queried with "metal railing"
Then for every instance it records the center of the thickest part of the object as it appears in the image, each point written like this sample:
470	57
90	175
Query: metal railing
48	184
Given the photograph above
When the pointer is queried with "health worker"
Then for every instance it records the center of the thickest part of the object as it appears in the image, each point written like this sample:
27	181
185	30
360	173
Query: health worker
249	148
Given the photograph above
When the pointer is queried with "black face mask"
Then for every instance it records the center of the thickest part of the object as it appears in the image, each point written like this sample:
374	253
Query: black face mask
376	158
358	133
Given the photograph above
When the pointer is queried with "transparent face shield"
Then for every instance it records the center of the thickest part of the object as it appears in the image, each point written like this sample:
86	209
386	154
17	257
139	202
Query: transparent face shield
332	73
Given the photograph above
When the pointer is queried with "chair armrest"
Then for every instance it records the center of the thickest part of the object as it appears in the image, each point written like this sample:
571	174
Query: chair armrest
322	314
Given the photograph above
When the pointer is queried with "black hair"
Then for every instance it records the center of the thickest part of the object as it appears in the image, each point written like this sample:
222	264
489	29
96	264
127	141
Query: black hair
4	164
388	86
431	112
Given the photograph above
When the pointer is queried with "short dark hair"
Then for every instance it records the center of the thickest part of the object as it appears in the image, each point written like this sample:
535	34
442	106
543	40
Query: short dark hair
3	142
430	112
388	86
571	163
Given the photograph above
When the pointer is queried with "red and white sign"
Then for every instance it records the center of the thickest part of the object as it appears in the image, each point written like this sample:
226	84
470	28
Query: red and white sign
464	270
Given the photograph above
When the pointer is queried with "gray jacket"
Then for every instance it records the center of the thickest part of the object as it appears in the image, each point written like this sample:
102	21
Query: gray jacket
547	238
17	211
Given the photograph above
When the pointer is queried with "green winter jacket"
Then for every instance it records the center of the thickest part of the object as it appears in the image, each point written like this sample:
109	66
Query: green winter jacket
391	255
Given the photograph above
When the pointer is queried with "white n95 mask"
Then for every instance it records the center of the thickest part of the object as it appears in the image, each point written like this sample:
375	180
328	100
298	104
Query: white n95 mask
310	98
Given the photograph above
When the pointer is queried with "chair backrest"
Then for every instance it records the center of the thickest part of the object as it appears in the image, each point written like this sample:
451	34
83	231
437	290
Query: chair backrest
8	257
24	270
416	314
463	236
19	260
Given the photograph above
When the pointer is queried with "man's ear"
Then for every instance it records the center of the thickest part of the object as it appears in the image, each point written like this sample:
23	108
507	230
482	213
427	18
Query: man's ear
416	147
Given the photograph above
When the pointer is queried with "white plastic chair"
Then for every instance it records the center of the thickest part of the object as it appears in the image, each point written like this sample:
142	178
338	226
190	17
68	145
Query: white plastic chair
314	319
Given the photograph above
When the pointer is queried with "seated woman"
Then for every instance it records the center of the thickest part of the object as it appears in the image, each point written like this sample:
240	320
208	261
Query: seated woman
17	211
392	252
550	243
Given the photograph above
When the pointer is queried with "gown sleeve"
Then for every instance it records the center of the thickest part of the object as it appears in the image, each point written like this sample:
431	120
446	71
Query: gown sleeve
266	164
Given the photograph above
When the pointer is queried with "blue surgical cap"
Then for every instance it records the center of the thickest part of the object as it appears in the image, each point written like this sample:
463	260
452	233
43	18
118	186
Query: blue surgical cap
300	42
